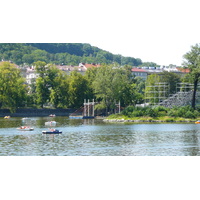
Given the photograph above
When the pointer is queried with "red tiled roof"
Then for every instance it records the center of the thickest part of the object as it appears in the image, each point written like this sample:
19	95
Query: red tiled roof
184	70
137	70
91	65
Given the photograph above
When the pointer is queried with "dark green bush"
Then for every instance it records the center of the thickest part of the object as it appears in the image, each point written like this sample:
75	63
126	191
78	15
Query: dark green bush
189	114
185	112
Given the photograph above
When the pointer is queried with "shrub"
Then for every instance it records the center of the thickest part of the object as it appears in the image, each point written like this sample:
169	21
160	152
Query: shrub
189	114
128	110
160	109
170	120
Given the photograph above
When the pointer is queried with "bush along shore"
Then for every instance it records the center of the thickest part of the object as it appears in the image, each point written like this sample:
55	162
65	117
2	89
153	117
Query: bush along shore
156	114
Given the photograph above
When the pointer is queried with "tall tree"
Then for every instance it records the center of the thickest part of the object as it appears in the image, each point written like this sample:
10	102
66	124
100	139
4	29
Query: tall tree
45	82
113	84
192	61
171	79
77	89
12	87
59	93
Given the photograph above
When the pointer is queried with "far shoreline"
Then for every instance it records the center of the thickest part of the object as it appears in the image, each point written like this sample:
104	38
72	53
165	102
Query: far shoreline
34	112
169	120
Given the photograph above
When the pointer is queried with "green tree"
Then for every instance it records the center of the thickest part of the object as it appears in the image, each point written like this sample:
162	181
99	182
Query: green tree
12	87
90	75
59	95
113	84
45	82
77	89
171	79
192	61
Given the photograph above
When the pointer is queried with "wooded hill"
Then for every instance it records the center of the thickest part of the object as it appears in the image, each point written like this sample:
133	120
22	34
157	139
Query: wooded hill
61	53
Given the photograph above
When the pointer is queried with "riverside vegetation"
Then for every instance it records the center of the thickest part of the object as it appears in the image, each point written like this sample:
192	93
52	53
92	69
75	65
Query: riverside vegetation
157	114
107	84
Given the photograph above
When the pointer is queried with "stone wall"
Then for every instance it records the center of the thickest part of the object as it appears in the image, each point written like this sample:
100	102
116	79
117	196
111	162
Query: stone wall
36	112
178	99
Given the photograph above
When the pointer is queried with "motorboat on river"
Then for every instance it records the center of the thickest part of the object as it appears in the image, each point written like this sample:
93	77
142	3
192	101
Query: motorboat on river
52	131
197	122
25	128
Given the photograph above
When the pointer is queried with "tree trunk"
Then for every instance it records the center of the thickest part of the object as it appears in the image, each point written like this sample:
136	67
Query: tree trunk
194	93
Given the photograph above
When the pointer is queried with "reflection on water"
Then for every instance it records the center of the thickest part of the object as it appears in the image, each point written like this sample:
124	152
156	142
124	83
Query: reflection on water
95	138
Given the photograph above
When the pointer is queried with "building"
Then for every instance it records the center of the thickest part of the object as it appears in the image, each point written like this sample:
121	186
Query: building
137	72
30	72
144	72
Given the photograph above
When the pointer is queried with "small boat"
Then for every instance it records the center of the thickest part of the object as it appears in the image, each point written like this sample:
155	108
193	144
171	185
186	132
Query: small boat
52	131
197	122
52	115
50	123
25	128
7	117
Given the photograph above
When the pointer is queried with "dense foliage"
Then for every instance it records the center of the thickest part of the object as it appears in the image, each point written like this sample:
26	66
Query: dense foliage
12	87
61	53
159	111
54	88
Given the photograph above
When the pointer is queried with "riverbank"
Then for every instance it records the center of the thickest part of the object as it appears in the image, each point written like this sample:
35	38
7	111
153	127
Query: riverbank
149	119
31	112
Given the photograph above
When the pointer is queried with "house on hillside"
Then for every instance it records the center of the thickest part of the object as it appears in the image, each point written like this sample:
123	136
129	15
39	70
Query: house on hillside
70	68
31	74
183	71
82	67
86	65
137	72
144	72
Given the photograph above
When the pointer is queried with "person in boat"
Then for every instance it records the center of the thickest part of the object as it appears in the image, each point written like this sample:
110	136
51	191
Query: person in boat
52	129
23	127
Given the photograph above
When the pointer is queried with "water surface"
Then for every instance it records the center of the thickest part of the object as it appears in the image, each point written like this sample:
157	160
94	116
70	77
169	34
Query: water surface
97	138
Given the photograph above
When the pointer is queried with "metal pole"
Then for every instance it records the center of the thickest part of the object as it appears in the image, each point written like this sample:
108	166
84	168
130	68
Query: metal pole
88	108
93	108
84	107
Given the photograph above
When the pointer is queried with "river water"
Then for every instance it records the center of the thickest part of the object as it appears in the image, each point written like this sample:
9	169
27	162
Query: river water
97	138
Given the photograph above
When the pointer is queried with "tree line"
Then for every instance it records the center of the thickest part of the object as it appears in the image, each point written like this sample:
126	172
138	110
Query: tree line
107	84
61	53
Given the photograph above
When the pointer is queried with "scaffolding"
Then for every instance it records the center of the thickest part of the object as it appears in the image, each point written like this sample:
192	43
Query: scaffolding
184	87
156	93
159	94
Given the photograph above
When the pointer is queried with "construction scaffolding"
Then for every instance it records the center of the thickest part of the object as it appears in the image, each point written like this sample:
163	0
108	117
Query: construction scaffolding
156	93
184	87
159	94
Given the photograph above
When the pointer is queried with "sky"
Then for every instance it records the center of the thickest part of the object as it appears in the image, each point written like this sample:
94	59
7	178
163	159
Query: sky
159	31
